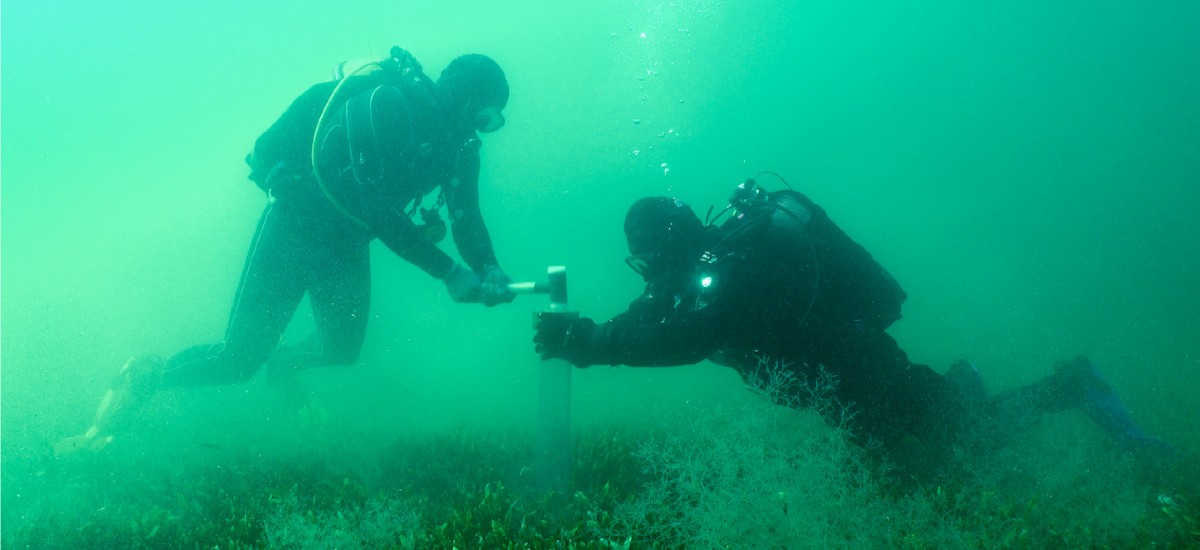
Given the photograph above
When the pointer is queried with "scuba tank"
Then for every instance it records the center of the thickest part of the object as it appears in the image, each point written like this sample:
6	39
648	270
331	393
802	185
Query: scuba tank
358	136
847	282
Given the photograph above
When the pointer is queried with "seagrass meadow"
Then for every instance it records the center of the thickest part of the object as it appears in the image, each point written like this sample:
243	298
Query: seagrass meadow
1027	172
742	474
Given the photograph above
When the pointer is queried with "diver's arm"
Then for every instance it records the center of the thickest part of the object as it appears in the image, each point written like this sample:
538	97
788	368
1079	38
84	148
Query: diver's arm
648	334
404	238
682	342
471	235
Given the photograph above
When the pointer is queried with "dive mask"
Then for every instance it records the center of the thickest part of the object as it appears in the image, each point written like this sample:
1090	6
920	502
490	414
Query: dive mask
642	264
488	119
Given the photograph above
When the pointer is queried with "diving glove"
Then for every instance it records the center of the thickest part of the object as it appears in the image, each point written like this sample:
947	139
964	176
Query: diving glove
464	285
562	336
495	287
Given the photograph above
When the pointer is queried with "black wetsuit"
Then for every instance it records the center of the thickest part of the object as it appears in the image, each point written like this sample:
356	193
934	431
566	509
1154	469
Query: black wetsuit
790	288
306	244
788	295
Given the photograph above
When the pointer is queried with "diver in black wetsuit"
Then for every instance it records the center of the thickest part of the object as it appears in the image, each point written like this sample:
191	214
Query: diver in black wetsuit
780	285
350	161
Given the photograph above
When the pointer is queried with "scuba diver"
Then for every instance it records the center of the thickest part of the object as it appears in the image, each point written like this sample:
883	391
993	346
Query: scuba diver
778	285
350	161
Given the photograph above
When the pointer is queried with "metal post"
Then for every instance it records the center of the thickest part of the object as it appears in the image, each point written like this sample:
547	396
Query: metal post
554	403
553	445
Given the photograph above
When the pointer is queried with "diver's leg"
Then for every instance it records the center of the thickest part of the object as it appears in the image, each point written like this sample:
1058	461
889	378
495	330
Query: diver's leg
274	278
340	297
271	286
908	412
1075	384
892	397
341	301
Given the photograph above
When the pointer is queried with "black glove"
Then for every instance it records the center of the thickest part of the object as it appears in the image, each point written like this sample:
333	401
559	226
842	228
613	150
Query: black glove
495	287
561	335
464	285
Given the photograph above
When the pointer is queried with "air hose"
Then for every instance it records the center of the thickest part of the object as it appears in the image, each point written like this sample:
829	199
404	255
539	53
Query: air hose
376	65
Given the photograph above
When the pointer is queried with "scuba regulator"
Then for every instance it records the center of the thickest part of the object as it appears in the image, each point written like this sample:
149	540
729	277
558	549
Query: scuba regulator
753	204
747	193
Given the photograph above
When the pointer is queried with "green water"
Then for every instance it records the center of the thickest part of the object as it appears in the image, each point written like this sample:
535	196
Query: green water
1030	173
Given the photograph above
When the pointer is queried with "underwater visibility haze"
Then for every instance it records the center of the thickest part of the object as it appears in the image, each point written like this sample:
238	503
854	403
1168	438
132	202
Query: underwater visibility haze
1029	173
